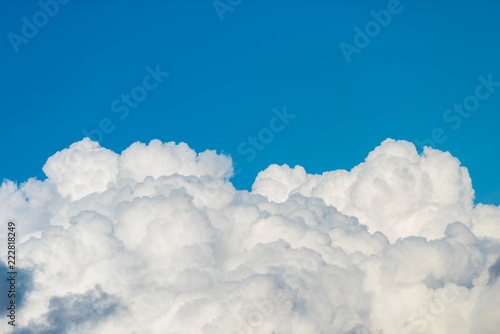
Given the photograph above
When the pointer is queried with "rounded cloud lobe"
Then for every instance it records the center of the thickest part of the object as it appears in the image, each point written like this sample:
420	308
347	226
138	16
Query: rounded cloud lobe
157	240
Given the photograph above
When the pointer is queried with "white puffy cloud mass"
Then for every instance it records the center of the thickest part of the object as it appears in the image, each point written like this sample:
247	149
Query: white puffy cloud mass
157	240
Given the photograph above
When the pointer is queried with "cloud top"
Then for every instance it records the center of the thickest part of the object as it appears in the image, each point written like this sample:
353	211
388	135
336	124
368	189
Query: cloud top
395	191
85	167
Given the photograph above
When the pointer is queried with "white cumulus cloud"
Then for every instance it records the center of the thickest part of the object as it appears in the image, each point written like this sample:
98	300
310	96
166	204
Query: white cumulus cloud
157	240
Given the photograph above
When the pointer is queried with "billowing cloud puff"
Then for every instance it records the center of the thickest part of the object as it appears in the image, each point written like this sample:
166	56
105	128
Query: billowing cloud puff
395	191
157	240
85	167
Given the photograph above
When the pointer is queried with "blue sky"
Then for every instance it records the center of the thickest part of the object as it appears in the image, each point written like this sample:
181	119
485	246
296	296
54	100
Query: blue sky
225	78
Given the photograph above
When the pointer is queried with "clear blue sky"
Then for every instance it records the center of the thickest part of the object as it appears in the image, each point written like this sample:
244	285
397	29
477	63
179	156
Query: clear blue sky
226	76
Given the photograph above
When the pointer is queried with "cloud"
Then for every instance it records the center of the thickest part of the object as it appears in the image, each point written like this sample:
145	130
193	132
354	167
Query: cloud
157	240
395	191
76	313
